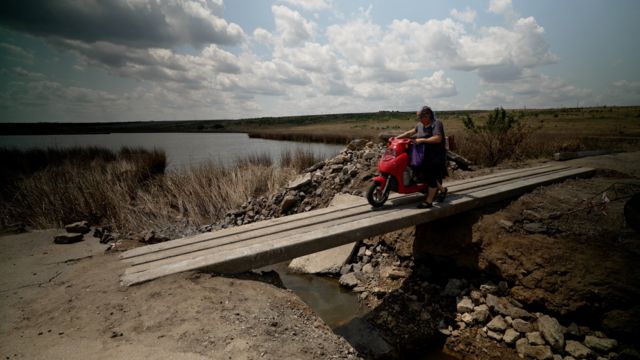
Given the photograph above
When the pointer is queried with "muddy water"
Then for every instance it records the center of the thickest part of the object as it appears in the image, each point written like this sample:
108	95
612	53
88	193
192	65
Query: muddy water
335	305
339	308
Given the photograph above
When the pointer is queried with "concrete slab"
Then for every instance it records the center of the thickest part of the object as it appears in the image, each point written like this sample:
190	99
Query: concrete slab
328	261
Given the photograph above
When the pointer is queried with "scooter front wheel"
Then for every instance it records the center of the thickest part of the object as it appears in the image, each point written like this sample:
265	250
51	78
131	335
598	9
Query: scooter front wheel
377	195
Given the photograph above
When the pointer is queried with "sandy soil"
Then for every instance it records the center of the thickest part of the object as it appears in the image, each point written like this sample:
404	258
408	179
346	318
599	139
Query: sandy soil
65	302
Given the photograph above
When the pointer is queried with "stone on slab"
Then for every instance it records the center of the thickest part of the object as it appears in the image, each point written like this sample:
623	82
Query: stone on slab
328	261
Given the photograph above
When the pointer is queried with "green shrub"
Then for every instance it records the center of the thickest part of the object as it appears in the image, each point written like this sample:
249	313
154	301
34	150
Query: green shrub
498	139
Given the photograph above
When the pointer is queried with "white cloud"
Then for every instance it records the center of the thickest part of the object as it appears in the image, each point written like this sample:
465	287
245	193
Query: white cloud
293	28
467	15
311	5
502	7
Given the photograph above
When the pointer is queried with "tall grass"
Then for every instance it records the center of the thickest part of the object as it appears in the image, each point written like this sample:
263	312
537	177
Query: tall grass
51	187
129	189
299	159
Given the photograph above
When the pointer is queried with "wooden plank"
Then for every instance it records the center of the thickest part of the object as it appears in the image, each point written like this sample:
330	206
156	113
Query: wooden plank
297	217
285	228
263	253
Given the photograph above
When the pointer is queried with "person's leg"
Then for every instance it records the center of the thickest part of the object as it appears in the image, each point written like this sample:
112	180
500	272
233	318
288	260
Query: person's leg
432	189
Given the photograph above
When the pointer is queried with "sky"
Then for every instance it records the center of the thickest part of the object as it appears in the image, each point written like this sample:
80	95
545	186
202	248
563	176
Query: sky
139	60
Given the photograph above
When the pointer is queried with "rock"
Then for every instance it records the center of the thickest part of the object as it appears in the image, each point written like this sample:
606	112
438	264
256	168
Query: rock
467	318
506	224
477	297
368	155
536	228
577	350
330	261
497	324
523	326
531	215
573	331
288	202
300	181
464	306
98	232
480	313
81	227
367	269
357	144
600	344
535	338
552	331
453	287
488	288
494	335
539	352
150	237
510	336
68	238
349	280
504	307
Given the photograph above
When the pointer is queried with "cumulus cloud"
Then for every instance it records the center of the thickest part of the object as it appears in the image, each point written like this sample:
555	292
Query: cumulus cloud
467	15
312	5
502	7
140	23
293	28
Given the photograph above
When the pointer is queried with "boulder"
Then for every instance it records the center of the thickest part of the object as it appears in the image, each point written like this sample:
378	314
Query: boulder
81	227
535	338
504	307
357	144
464	306
494	335
523	326
480	313
600	344
288	202
552	331
539	352
349	280
510	336
68	238
299	182
577	350
497	324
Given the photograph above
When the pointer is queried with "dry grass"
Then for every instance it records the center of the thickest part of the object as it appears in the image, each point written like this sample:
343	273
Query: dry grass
299	159
128	191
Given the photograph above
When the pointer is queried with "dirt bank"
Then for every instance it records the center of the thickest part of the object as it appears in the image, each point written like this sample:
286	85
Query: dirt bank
65	302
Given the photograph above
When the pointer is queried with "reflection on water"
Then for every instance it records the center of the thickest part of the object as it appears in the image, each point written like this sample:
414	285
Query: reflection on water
182	149
335	305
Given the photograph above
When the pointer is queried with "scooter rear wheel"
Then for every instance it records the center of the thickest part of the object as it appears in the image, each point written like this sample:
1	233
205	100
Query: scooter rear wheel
376	195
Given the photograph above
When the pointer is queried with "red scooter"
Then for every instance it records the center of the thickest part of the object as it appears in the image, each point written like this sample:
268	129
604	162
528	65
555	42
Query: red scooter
395	173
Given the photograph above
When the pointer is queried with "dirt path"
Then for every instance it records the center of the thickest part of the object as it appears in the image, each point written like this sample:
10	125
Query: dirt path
64	301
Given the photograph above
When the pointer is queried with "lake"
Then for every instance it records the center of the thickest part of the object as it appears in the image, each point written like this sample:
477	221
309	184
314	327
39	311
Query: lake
182	149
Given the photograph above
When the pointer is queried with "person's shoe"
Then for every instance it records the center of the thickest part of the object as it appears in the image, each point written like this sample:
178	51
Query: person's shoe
425	205
442	195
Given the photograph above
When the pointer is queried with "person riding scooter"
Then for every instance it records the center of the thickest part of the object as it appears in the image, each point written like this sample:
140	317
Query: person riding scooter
430	132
